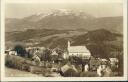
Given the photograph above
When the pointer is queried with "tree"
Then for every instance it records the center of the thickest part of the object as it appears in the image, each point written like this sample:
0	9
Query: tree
101	35
99	50
97	42
20	50
46	55
59	52
79	61
121	65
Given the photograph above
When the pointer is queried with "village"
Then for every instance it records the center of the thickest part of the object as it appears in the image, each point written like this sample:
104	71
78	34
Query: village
75	61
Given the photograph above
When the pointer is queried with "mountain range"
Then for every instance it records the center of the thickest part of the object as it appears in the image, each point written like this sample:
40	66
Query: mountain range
64	20
54	29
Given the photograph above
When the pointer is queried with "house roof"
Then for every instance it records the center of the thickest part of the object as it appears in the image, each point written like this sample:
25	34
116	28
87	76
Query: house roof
113	59
54	53
81	49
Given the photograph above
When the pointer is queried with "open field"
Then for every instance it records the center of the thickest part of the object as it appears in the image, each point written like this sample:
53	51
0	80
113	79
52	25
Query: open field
10	72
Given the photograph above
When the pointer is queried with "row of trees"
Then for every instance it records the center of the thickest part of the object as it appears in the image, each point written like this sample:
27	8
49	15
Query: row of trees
45	55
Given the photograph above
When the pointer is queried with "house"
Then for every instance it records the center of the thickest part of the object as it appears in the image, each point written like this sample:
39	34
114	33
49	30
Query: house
13	53
114	62
65	55
56	57
78	51
104	61
54	53
66	67
69	70
36	58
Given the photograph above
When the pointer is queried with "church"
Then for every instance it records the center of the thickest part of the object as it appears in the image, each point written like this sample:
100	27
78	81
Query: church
78	51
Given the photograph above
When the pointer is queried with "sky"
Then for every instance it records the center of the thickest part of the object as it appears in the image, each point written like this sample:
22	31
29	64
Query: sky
97	8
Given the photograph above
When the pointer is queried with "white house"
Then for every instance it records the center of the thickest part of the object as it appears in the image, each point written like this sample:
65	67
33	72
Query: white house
13	53
65	55
78	51
54	53
114	61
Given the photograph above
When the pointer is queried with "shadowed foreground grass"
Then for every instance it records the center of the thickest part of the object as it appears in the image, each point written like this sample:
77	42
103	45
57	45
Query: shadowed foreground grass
10	72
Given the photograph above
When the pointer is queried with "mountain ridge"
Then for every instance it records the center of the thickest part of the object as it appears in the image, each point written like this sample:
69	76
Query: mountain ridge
64	20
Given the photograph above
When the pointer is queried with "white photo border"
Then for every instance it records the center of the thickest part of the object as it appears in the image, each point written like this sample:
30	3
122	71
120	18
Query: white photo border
3	78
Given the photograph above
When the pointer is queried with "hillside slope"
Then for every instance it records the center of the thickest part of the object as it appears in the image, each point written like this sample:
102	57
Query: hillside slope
64	20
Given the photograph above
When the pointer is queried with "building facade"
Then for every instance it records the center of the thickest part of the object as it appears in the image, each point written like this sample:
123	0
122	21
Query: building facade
78	51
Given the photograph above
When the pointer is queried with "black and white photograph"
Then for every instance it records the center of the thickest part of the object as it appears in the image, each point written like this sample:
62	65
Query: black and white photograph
64	38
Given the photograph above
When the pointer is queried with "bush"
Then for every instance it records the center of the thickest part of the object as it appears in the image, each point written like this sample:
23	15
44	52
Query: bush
71	73
20	50
15	62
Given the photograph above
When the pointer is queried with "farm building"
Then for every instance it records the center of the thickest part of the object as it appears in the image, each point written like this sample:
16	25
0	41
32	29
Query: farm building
78	51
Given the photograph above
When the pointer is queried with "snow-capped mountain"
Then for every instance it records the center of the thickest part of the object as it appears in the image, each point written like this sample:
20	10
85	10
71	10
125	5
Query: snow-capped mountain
63	19
58	12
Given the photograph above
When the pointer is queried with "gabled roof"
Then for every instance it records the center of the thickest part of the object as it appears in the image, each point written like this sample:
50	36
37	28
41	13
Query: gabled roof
81	49
54	53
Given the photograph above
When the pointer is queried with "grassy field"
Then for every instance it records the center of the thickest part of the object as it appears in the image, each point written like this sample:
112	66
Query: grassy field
10	72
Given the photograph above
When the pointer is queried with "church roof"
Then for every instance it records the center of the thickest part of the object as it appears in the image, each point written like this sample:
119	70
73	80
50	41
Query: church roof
81	49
